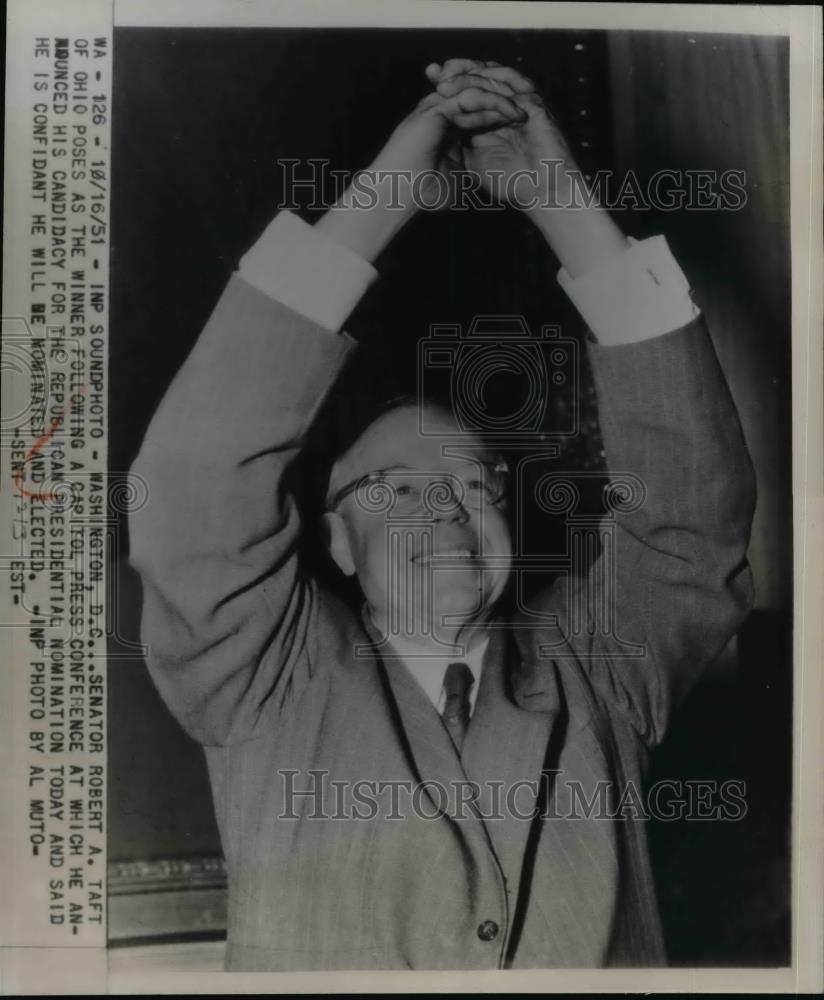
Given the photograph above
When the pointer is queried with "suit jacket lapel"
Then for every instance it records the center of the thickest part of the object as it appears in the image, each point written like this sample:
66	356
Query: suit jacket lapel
432	754
431	747
506	747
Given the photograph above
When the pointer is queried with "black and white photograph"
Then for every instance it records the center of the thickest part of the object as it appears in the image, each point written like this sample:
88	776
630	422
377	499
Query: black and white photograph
451	608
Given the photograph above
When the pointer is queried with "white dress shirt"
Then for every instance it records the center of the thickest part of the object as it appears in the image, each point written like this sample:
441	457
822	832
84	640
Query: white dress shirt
429	671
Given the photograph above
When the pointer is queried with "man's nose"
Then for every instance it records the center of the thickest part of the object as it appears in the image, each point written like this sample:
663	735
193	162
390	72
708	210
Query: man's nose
453	511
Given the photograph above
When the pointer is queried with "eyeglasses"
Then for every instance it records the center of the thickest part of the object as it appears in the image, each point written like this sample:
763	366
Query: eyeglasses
408	492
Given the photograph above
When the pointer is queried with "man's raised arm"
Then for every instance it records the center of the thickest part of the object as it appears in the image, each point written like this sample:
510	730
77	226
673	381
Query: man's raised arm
225	608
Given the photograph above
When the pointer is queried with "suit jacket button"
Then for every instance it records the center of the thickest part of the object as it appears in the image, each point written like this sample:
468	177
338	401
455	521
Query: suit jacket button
488	930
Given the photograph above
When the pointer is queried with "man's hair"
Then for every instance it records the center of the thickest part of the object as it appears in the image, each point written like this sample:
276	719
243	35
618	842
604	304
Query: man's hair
339	427
374	383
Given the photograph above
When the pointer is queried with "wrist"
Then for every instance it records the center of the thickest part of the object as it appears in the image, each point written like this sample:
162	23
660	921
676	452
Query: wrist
365	220
373	209
581	237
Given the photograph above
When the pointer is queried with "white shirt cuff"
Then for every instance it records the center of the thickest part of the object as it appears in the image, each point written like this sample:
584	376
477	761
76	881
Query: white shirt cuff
635	295
306	271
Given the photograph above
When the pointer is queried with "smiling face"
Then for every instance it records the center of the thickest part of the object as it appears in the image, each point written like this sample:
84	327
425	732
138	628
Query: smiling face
426	533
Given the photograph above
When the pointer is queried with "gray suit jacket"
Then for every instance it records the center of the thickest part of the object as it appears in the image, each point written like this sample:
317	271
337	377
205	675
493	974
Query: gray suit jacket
260	666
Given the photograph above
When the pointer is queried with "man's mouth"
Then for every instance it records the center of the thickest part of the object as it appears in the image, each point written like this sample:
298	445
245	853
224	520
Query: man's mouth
460	555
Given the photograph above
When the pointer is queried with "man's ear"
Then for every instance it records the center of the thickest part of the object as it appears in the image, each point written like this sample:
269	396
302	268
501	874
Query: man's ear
337	542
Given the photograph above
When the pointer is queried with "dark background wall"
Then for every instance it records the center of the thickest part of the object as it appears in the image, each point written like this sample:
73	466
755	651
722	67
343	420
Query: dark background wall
200	121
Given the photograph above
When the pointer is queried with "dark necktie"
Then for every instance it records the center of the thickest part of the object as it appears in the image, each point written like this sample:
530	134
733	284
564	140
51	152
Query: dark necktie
456	684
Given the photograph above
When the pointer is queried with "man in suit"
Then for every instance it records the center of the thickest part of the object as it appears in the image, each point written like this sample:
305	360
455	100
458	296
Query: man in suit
314	715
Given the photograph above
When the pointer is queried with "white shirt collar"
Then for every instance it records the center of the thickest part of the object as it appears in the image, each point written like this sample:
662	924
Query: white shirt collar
429	670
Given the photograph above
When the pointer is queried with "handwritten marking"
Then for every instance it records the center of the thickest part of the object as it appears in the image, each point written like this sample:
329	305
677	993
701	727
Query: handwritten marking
41	442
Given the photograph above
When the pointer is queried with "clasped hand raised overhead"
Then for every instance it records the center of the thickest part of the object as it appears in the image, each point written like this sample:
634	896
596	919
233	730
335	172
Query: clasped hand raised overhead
486	124
484	118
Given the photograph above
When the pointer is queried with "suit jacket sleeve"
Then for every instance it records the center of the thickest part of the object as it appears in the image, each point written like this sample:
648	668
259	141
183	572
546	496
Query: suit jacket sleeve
677	584
227	613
